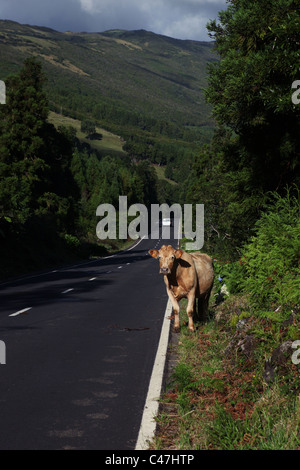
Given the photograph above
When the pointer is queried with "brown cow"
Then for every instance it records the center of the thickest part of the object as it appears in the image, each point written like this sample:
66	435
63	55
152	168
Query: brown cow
186	275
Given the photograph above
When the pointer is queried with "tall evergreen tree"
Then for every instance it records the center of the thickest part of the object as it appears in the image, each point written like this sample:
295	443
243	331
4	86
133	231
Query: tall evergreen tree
21	122
250	88
34	157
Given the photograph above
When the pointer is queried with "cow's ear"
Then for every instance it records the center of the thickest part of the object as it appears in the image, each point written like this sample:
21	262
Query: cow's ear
178	253
153	253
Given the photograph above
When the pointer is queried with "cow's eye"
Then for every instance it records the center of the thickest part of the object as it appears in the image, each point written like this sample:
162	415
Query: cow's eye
173	257
158	257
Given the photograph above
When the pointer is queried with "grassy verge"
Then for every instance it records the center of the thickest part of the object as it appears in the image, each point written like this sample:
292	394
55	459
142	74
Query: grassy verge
219	396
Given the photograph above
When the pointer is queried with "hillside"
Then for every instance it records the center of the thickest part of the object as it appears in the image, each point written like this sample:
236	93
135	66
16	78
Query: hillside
119	77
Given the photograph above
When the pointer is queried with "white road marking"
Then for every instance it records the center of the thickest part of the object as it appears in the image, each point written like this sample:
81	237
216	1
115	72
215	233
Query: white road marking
131	248
20	311
148	424
120	267
66	291
92	279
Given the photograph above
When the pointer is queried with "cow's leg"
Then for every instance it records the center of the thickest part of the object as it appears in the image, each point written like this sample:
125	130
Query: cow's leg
190	310
176	309
201	309
203	306
197	309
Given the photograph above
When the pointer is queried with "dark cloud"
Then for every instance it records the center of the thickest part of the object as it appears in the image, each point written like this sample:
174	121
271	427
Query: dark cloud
183	19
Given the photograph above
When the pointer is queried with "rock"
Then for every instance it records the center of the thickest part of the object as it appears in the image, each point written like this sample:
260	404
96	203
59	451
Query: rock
278	362
247	345
283	353
241	323
269	372
241	344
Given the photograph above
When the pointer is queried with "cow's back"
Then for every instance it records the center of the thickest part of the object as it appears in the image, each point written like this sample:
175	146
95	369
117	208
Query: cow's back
205	272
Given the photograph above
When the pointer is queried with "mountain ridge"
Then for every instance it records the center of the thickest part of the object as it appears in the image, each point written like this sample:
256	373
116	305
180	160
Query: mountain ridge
145	73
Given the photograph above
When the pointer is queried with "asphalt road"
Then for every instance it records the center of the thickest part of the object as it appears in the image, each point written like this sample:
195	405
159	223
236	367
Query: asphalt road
79	359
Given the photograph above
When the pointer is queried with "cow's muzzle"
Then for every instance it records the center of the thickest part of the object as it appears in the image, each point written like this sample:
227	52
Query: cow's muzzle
164	271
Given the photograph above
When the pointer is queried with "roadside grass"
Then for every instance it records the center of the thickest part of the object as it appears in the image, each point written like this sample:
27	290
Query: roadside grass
216	400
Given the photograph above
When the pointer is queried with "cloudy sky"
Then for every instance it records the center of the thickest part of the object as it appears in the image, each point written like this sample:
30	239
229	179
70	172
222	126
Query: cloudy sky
182	19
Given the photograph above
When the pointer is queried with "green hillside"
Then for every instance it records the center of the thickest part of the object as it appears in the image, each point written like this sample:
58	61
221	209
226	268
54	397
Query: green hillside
119	77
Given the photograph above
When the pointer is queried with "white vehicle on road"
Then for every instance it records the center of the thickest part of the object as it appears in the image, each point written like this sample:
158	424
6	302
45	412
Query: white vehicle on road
167	222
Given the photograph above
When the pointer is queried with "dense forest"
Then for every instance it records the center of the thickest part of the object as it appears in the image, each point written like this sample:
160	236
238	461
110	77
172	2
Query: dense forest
51	184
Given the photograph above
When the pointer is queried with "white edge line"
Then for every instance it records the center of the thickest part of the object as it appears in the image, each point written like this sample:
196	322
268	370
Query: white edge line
20	311
148	424
131	248
67	290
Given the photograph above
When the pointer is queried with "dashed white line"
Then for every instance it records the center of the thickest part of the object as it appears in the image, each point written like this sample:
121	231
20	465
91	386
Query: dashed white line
92	278
120	267
20	311
66	291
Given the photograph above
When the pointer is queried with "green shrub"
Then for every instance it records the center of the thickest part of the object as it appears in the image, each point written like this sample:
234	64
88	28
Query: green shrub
72	242
269	265
271	259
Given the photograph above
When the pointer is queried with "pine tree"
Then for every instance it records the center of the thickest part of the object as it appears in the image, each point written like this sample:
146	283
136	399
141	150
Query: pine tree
35	179
21	122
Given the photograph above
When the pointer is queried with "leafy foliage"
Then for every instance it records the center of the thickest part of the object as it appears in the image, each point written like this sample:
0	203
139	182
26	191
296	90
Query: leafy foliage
268	269
271	259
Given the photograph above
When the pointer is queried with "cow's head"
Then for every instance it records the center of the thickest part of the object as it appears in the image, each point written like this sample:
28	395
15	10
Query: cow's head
166	256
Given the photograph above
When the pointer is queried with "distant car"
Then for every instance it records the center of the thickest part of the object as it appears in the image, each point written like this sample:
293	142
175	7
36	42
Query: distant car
167	221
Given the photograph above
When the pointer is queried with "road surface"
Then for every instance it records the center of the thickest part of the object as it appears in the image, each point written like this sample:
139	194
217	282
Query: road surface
80	346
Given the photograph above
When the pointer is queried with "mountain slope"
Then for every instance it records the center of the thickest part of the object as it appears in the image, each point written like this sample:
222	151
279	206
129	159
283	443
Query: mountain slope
115	76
